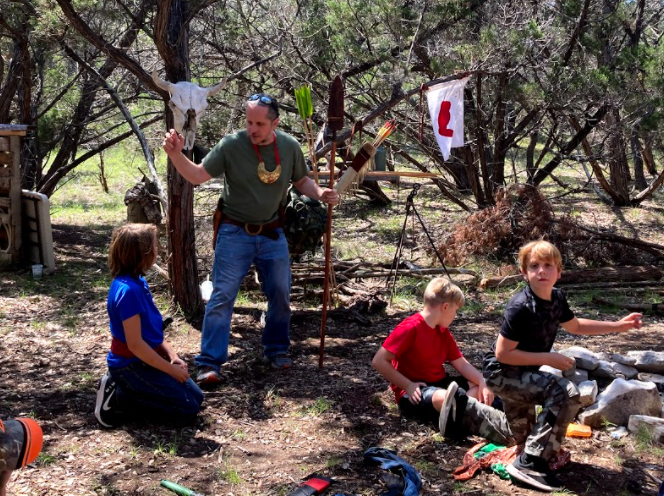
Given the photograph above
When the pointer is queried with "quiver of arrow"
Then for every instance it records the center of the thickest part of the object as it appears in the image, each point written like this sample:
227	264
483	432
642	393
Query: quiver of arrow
363	156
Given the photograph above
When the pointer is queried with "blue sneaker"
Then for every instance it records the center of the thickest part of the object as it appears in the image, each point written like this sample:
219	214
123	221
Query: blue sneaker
281	361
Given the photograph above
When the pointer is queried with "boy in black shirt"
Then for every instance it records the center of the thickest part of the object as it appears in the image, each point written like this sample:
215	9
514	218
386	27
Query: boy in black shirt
511	370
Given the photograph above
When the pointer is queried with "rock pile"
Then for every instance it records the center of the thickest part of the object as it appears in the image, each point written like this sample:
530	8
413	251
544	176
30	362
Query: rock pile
626	390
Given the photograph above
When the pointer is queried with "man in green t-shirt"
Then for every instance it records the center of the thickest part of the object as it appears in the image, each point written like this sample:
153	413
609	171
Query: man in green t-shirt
258	164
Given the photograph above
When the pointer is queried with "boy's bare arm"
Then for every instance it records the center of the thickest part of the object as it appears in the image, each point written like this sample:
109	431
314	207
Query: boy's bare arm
169	352
474	376
588	327
507	353
135	343
382	362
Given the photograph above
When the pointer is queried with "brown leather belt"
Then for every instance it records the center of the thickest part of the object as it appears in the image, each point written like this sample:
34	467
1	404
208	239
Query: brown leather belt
267	230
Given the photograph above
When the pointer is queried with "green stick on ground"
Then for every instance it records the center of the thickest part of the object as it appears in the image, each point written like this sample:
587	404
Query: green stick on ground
178	489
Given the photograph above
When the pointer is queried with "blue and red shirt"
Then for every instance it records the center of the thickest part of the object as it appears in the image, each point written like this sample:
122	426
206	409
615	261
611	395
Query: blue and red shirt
127	297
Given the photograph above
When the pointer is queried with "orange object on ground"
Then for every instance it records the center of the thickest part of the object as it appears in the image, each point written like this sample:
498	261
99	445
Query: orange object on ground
578	430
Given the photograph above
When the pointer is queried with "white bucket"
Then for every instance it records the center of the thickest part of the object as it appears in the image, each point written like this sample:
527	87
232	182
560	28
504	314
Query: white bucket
37	271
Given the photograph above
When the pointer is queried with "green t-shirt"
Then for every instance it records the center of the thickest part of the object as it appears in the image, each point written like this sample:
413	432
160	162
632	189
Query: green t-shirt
246	197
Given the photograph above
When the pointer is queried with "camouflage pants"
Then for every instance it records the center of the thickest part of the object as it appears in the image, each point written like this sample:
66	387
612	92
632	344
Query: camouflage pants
521	392
482	420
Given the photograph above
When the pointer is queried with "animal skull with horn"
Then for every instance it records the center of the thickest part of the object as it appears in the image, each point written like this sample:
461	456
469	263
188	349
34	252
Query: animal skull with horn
188	103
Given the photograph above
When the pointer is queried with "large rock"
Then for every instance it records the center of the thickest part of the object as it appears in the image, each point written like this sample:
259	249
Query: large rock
657	379
588	390
625	370
653	424
617	357
648	361
580	376
551	370
585	359
604	370
620	400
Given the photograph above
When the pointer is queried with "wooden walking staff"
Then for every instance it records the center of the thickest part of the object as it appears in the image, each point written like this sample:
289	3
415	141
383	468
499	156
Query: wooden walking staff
335	121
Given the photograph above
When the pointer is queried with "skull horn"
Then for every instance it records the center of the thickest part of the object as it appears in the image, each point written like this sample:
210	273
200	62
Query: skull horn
212	90
164	85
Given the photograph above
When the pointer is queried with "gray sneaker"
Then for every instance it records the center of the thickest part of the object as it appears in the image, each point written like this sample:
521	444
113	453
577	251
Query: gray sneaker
103	408
281	361
449	405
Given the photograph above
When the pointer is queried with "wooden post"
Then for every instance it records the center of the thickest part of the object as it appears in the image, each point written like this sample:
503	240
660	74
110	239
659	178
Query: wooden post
10	189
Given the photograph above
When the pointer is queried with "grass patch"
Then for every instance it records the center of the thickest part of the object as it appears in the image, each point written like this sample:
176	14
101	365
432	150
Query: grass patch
319	407
425	467
229	474
45	459
472	307
408	293
239	435
272	398
646	442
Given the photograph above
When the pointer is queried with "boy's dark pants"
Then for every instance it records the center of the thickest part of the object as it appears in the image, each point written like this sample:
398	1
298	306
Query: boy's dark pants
478	419
520	391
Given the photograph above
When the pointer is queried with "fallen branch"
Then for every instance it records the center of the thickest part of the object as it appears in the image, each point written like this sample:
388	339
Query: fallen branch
652	248
645	285
591	276
632	307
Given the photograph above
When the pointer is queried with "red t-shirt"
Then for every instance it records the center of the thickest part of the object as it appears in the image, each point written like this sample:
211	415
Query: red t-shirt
420	351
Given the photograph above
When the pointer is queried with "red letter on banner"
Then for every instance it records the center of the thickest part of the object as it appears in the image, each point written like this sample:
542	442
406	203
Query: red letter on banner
444	120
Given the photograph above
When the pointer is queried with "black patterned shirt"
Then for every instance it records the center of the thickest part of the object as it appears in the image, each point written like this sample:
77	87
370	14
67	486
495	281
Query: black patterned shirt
532	322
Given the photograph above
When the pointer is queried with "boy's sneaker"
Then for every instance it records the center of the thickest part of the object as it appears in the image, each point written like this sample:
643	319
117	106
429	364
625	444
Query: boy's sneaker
281	361
448	410
533	472
208	376
103	409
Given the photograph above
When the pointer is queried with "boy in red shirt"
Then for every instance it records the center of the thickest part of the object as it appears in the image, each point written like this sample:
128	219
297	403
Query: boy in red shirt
412	359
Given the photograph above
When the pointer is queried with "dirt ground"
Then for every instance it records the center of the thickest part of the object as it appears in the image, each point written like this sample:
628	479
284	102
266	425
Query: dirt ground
262	431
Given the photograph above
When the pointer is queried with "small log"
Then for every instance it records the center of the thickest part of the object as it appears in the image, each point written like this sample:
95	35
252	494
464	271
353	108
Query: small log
657	308
611	274
645	285
602	275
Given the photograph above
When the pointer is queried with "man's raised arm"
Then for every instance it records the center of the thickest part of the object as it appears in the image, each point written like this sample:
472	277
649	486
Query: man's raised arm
194	173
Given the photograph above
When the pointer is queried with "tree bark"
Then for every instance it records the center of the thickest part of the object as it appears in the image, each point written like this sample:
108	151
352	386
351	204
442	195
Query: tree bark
617	158
639	177
530	154
172	40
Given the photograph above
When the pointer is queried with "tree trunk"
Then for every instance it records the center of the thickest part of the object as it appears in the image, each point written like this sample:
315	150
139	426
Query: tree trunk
172	39
648	158
459	167
499	135
12	82
617	158
530	155
639	177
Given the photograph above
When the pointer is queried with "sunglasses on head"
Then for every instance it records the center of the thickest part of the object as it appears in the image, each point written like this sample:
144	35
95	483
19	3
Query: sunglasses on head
264	100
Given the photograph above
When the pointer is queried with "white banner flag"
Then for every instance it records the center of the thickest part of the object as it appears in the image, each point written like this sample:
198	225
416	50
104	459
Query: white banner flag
446	109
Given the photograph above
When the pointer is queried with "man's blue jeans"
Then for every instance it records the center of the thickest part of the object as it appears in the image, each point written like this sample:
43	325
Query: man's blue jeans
235	252
147	393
